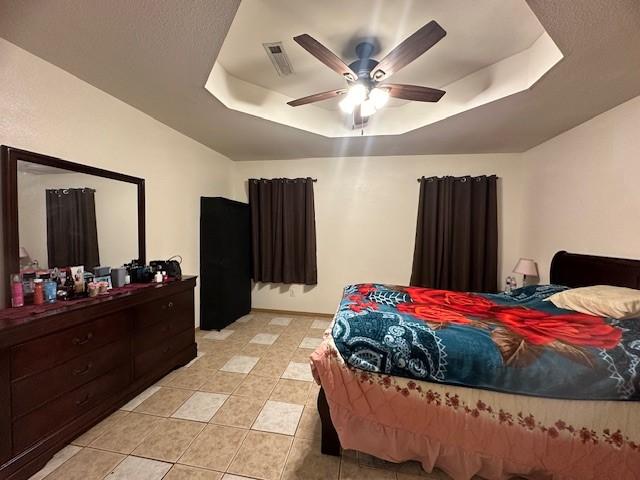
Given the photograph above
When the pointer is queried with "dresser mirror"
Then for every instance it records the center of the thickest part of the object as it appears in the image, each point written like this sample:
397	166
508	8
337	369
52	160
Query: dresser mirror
58	213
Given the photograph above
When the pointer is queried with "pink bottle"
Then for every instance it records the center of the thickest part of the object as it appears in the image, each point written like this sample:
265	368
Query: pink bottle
17	291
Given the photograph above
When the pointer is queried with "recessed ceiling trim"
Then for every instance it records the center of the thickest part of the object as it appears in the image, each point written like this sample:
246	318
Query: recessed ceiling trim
504	78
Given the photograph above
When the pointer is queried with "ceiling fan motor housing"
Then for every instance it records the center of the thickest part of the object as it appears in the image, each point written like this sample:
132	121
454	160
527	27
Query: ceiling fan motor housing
364	64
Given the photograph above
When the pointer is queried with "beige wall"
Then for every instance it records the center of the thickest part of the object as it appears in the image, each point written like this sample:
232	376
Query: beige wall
575	192
45	109
366	212
582	189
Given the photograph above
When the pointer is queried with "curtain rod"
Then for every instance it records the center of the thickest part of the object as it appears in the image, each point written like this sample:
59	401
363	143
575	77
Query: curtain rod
465	176
258	179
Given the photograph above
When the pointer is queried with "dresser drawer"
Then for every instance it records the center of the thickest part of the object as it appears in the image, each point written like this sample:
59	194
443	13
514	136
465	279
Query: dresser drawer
46	352
150	313
150	337
47	419
35	390
149	360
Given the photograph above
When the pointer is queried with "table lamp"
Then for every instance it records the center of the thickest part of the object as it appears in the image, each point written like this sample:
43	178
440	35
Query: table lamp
526	267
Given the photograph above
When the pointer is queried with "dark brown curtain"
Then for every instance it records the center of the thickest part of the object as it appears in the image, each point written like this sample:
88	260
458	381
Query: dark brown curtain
283	230
72	234
457	234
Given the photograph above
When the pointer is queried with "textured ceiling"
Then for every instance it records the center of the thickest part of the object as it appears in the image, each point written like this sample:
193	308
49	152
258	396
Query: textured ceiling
156	55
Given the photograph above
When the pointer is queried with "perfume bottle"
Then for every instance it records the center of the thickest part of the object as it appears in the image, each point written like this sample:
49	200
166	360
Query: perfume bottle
17	291
38	292
50	291
69	285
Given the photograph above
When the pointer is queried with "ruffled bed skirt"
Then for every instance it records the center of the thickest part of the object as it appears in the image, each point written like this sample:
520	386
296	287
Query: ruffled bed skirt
467	432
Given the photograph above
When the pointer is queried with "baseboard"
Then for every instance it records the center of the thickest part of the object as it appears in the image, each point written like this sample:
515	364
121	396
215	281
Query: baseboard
292	312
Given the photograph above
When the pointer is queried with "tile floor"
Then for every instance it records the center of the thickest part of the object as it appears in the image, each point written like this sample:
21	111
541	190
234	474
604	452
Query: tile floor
244	409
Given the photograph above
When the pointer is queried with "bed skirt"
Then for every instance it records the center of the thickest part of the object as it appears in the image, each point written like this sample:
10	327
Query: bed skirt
467	432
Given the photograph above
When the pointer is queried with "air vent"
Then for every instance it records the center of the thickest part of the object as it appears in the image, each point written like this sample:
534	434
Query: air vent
279	58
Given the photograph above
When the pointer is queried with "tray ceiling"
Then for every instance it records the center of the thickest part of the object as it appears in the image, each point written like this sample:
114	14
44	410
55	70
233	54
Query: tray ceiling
493	50
157	55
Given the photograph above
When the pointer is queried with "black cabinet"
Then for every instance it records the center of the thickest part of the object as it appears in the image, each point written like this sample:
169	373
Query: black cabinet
225	262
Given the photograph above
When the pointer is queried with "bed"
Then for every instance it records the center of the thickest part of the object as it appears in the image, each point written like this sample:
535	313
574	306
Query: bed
495	385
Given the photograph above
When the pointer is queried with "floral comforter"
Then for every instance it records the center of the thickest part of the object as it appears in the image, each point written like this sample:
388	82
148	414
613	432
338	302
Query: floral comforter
515	343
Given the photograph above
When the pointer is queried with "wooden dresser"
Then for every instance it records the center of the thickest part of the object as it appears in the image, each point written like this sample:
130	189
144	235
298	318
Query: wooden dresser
64	367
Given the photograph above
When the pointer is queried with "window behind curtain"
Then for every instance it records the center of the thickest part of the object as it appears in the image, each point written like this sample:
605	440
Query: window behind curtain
457	234
72	233
283	230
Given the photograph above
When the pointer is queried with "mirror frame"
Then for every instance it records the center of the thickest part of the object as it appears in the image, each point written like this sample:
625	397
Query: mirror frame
9	157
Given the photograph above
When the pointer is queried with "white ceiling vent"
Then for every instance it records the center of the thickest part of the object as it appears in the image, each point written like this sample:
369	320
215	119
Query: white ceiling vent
279	58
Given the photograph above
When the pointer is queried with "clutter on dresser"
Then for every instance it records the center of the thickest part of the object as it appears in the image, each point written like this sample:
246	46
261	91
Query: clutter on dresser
118	276
101	271
17	290
139	272
38	287
171	267
38	292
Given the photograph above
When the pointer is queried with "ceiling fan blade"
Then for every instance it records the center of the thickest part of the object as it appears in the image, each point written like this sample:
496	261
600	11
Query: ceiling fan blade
413	92
316	97
325	55
410	49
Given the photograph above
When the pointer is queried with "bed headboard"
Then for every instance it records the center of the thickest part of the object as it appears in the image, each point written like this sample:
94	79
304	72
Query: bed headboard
575	270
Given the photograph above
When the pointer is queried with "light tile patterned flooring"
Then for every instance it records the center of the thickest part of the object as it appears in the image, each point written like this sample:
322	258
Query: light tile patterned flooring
244	409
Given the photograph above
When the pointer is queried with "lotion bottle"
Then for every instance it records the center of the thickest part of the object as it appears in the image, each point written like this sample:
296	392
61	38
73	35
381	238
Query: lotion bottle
17	291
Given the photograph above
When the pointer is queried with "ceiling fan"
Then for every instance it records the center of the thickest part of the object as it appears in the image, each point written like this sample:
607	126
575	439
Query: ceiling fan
366	92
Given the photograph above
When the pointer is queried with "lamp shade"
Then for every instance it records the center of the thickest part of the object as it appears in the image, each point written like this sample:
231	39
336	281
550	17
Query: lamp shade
526	266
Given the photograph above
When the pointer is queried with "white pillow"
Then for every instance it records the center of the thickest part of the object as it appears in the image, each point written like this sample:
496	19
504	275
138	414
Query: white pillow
600	300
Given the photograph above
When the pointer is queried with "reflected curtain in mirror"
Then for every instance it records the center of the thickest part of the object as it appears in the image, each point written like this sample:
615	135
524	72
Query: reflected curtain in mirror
457	234
72	234
283	230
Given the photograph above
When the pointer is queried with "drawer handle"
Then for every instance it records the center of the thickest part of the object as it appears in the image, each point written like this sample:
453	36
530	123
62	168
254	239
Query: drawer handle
82	371
168	305
84	401
82	341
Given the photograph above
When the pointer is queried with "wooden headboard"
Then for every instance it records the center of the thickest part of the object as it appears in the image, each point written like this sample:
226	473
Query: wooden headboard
575	270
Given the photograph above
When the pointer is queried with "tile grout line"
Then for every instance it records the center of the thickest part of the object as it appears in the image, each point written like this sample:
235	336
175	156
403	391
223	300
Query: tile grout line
189	446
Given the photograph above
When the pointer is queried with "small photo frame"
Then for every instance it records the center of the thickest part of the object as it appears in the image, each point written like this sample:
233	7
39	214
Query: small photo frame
104	278
77	273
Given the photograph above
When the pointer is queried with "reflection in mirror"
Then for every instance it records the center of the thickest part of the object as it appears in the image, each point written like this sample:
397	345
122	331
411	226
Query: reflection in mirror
67	218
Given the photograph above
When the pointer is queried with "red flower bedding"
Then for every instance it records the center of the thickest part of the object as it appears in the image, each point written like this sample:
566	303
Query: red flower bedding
515	343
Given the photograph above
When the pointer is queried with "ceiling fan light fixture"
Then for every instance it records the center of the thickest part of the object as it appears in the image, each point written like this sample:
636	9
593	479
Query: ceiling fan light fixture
379	96
346	105
368	108
355	96
357	93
